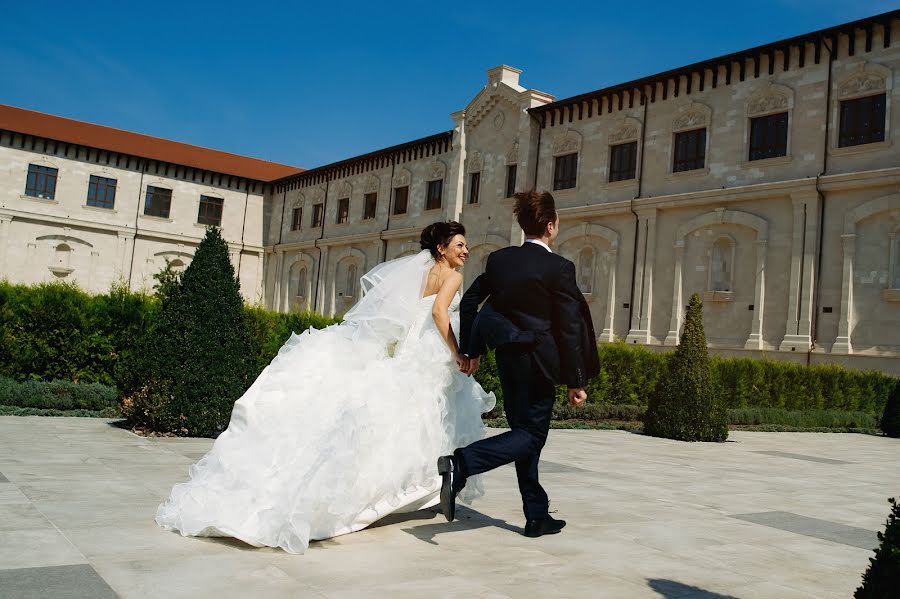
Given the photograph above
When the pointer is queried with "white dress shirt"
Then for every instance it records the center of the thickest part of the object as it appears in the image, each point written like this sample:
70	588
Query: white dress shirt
540	243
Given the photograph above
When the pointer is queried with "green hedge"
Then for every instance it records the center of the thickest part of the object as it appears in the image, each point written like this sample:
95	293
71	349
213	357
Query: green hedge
629	374
56	395
56	331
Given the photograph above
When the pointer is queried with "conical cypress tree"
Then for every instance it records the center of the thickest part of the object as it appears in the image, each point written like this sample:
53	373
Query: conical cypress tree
200	352
882	578
890	419
684	404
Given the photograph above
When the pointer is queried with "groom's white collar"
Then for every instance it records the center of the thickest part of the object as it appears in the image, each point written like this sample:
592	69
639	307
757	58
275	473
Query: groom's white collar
540	243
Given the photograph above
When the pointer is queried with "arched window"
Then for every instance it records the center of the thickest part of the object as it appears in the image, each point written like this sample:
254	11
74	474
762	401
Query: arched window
585	273
300	288
721	265
351	281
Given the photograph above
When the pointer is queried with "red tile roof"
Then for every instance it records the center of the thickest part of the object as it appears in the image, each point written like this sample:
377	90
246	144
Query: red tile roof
66	130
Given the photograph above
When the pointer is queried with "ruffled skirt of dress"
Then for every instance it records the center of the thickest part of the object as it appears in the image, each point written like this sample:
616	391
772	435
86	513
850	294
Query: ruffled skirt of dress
333	435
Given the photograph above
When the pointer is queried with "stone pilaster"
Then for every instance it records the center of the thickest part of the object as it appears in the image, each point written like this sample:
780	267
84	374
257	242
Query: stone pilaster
842	343
798	333
677	297
755	340
643	280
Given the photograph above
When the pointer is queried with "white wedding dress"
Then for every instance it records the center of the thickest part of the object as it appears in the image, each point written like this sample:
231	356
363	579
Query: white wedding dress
342	428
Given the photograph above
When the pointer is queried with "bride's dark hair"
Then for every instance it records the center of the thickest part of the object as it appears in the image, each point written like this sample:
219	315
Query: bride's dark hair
440	233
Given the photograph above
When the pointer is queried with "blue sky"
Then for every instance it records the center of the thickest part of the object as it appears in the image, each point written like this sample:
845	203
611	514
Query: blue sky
311	84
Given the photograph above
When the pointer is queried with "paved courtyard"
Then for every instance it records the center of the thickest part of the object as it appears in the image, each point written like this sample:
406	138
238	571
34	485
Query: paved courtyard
779	515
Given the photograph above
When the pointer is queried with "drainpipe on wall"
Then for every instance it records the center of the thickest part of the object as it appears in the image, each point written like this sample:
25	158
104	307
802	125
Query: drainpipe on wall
818	286
137	215
387	224
244	226
321	237
537	153
631	206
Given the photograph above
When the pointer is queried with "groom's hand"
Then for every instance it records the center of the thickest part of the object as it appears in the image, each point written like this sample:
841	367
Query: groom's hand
473	365
577	396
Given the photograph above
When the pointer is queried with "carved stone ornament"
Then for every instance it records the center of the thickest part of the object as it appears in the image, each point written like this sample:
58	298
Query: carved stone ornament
476	162
624	133
567	143
766	103
861	85
401	178
512	157
436	170
372	184
499	119
346	189
690	119
317	194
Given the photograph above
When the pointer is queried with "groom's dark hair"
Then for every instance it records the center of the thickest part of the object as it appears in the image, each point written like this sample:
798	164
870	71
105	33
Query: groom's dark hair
534	210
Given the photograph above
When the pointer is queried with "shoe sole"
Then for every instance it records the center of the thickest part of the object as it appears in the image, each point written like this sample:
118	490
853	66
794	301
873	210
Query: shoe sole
448	505
549	532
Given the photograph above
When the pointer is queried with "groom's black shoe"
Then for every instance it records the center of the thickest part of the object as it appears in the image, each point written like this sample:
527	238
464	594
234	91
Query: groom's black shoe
447	468
543	526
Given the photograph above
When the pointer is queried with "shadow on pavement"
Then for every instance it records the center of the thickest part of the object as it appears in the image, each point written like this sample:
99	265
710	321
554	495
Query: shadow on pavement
466	519
671	589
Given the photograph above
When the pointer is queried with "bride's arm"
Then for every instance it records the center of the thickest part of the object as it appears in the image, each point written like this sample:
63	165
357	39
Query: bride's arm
441	307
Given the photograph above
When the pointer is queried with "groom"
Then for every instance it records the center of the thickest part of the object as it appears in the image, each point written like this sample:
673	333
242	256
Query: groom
539	323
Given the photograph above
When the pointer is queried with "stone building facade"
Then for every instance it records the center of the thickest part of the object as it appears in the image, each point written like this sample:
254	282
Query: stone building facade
766	180
98	206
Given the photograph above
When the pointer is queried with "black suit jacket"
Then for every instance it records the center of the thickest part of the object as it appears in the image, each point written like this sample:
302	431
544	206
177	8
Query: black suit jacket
532	301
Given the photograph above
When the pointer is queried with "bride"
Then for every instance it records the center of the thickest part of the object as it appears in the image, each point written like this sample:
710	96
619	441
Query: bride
343	427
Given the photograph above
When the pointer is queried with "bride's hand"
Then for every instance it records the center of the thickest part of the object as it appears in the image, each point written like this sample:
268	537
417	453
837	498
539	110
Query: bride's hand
473	365
462	362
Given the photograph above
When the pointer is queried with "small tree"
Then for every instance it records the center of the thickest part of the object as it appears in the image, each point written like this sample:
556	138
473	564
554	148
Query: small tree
890	419
684	404
881	579
198	357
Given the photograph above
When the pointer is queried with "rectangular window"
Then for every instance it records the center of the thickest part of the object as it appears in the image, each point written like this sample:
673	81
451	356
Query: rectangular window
210	212
296	218
41	182
101	192
474	185
433	194
566	171
318	215
768	136
401	199
370	205
343	211
158	201
690	150
511	180
622	161
862	121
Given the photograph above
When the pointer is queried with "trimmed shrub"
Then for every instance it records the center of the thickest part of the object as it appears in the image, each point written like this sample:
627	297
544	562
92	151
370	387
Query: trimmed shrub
56	395
683	405
199	356
881	579
56	331
890	419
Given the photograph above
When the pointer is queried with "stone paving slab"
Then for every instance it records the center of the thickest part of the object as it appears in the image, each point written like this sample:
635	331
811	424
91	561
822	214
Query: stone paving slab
780	515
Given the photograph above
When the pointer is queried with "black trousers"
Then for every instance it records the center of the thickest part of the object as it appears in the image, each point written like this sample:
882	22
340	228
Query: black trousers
528	398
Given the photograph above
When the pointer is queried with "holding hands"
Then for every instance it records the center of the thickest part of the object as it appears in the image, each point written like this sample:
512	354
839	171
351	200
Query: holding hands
467	365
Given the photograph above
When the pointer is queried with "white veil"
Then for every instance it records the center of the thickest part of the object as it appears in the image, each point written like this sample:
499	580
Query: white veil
391	294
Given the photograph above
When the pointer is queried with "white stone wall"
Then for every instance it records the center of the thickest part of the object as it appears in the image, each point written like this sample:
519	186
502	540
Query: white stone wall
65	239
